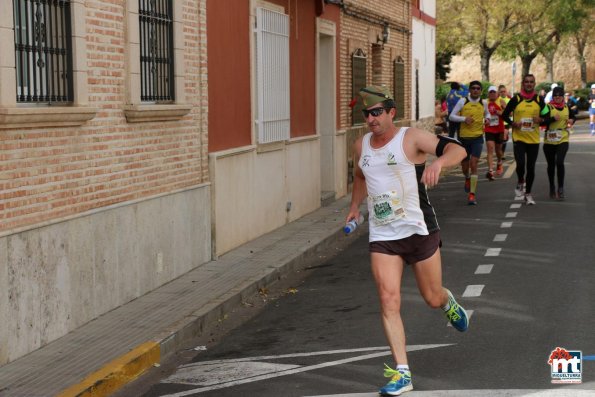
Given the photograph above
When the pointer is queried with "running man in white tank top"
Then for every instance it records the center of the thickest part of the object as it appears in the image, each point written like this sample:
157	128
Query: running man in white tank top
390	171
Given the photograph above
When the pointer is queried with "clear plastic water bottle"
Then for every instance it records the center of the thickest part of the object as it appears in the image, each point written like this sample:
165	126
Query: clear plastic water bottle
353	224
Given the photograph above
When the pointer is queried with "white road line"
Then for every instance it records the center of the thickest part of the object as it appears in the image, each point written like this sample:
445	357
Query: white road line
515	206
473	291
510	170
484	269
557	392
505	225
500	237
291	355
511	214
251	379
519	198
493	252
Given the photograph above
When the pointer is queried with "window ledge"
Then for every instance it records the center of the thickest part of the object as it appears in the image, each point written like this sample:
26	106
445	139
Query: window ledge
147	113
51	116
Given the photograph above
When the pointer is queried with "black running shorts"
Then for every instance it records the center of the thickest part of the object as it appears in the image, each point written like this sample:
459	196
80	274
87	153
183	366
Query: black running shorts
412	249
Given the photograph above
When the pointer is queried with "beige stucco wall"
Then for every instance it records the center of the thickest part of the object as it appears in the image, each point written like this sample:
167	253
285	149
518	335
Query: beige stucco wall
252	186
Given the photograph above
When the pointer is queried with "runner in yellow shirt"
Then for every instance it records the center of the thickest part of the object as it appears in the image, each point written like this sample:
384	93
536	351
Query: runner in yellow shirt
472	113
528	108
555	140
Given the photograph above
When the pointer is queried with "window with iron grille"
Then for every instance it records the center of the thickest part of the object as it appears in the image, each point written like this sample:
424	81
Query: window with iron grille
399	84
43	51
156	50
358	70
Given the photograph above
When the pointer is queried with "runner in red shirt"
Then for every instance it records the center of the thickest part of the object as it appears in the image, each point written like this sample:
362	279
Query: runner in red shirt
494	132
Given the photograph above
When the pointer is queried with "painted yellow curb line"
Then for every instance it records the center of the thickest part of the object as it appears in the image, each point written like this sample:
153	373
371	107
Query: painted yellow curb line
117	373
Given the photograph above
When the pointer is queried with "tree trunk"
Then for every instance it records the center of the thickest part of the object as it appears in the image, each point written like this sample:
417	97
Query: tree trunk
583	72
527	59
580	49
485	54
549	66
485	65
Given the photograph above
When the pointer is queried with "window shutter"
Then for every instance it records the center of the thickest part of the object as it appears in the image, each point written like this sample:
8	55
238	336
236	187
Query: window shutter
399	84
272	75
358	70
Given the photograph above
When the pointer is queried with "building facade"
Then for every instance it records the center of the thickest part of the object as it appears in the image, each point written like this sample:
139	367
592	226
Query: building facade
274	151
140	139
104	180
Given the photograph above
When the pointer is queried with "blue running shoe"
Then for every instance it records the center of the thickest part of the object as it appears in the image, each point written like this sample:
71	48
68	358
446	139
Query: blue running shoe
456	314
400	382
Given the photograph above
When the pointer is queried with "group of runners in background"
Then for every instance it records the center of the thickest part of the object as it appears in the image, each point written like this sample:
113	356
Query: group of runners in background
525	116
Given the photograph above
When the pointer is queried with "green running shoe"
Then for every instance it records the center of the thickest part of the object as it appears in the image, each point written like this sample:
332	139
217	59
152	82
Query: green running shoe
400	382
456	314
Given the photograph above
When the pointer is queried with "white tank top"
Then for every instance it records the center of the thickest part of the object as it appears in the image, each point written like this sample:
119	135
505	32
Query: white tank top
398	202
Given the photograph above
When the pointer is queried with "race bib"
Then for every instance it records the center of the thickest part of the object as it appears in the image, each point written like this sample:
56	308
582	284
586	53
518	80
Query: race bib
527	124
593	104
553	135
494	120
387	208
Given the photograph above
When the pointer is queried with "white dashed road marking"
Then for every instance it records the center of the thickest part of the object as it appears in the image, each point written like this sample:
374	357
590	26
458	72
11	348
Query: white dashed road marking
484	269
473	291
511	214
506	225
493	252
515	206
500	237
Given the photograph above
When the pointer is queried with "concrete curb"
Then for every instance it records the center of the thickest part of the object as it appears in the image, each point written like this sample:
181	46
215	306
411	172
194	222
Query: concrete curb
117	373
194	325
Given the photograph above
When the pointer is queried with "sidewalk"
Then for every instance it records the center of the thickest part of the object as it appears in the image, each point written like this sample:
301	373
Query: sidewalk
110	351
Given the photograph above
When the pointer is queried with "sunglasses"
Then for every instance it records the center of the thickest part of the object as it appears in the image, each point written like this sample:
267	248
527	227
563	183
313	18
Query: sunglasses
475	88
374	112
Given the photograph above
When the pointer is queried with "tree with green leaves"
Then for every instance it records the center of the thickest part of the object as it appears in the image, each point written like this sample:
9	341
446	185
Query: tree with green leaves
483	25
583	37
540	26
511	28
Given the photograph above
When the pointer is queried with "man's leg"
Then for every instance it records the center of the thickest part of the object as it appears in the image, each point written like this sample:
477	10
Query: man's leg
473	171
490	149
519	158
532	151
388	271
499	157
428	274
490	153
465	164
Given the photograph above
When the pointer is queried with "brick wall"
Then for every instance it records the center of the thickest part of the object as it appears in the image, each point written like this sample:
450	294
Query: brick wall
361	31
49	174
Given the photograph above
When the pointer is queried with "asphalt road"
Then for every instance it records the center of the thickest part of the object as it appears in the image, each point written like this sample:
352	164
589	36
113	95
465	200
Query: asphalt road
527	273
